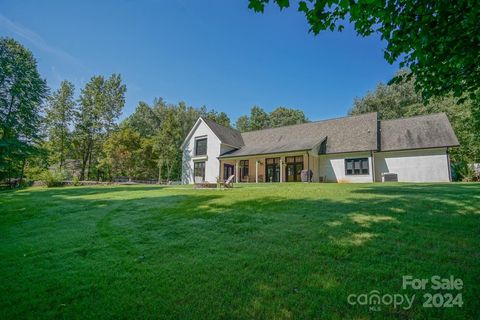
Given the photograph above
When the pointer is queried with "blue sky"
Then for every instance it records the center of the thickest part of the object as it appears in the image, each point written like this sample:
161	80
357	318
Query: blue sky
216	53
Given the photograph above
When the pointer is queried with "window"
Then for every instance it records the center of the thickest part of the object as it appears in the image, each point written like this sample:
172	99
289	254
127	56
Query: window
199	170
201	147
243	169
356	166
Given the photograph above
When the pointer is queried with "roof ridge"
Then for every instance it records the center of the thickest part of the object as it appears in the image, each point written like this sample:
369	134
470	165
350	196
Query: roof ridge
417	116
210	120
312	122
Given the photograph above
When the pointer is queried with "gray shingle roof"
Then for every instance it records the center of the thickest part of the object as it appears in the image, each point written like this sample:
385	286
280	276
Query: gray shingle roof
419	132
226	135
348	134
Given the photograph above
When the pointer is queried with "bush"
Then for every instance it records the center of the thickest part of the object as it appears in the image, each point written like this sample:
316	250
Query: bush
24	183
465	172
75	181
53	178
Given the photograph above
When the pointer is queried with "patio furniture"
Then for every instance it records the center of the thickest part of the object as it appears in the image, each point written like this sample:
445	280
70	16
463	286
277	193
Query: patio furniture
228	183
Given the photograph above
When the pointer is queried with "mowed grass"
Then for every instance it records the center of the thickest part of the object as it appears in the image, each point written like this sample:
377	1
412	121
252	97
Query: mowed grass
284	251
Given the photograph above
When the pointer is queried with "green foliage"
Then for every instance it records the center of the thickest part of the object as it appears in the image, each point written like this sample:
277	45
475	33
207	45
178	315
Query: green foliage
162	128
279	117
167	144
101	103
60	112
75	181
400	99
121	151
465	172
285	116
436	39
219	117
258	119
53	178
243	124
22	92
145	120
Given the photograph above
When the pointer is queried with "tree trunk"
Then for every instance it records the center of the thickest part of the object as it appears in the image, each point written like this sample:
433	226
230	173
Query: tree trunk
9	175
169	170
23	170
89	164
62	155
84	162
160	163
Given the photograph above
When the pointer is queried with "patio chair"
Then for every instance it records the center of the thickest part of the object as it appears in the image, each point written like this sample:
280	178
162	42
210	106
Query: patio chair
228	183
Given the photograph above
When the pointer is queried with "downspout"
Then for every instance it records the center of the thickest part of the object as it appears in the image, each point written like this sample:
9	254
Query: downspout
308	166
220	178
449	167
373	166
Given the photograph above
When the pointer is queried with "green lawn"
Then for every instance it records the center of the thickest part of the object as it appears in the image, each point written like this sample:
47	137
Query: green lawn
256	251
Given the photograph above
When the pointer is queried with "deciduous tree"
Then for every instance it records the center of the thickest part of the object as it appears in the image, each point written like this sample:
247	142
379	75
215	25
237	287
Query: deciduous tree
22	92
100	104
400	99
122	149
60	112
285	116
436	39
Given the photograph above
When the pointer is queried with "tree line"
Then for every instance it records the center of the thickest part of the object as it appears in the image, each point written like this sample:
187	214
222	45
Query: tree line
400	99
61	135
81	137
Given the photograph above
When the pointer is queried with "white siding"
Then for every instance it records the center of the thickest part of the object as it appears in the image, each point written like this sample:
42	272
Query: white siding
426	165
332	167
212	167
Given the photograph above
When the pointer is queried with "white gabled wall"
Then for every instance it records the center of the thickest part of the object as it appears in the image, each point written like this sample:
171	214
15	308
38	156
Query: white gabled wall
212	168
332	167
425	165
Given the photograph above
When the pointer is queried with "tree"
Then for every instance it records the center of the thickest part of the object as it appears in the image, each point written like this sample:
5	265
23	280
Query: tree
222	119
436	39
392	101
279	117
22	92
401	100
284	116
258	119
60	111
243	124
144	120
101	102
167	145
122	149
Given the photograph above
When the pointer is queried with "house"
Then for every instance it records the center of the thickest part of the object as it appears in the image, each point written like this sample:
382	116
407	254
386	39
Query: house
358	148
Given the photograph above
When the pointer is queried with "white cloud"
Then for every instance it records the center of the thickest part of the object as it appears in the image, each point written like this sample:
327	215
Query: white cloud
35	39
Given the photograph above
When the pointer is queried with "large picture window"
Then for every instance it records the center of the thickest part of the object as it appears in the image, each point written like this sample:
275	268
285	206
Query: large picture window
201	147
199	171
356	166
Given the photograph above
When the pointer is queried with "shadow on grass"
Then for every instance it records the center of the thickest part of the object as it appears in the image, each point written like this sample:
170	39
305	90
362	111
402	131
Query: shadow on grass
237	255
